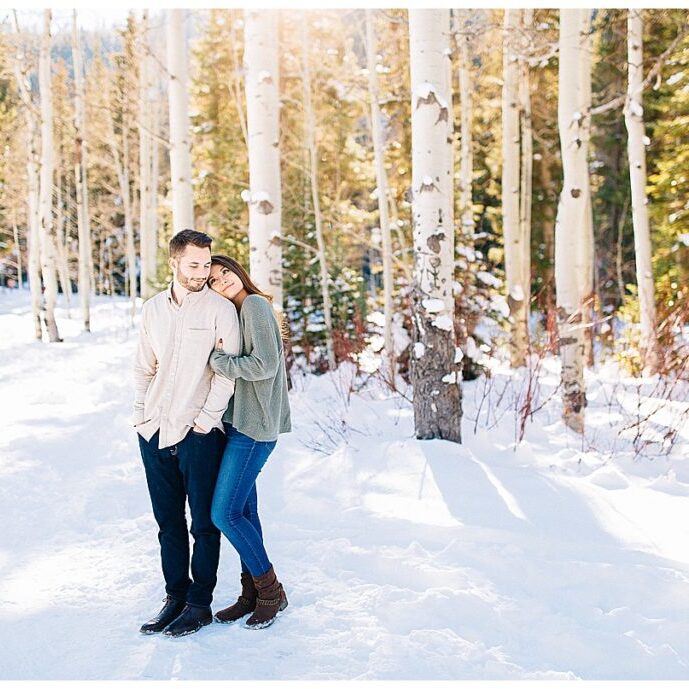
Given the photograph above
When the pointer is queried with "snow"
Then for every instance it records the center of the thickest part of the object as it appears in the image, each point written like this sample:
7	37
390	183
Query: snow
472	351
674	78
499	303
489	279
517	293
246	196
433	305
401	559
400	335
450	378
376	342
636	109
419	349
443	322
466	251
377	318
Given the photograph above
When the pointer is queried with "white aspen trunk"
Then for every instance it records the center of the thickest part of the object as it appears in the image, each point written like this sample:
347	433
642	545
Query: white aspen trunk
147	151
180	138
121	165
466	158
587	247
128	216
571	226
122	170
62	250
34	236
382	183
517	293
32	173
86	283
235	86
436	374
145	117
634	121
312	148
47	227
157	108
262	84
526	172
549	249
15	236
155	175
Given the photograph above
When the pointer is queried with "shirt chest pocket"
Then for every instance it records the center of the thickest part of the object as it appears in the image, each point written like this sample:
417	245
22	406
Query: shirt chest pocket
198	335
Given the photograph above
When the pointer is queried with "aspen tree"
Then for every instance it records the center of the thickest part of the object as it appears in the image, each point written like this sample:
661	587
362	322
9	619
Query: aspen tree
526	169
46	225
634	121
31	118
513	238
572	228
122	160
262	83
17	246
587	247
81	179
436	374
148	148
312	149
382	184
466	159
180	137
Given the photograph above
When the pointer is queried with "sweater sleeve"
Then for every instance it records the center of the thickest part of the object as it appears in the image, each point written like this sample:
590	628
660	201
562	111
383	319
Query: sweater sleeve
221	389
262	357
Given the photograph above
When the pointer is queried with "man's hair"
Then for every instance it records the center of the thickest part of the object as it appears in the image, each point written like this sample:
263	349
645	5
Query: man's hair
180	241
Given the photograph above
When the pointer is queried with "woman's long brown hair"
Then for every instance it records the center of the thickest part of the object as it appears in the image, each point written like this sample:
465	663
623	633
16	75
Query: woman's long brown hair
238	269
251	288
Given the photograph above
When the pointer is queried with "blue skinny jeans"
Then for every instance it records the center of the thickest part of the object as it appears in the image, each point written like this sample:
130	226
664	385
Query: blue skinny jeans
235	502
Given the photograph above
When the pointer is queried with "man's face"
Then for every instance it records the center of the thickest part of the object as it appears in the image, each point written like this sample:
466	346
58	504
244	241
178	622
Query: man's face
191	268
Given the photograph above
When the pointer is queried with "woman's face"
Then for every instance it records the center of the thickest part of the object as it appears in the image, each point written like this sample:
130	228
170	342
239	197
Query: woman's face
224	281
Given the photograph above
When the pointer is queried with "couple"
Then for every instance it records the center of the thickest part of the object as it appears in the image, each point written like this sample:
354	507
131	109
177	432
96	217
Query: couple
210	401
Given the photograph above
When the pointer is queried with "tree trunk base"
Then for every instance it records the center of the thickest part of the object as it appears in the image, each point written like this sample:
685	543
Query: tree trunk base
436	381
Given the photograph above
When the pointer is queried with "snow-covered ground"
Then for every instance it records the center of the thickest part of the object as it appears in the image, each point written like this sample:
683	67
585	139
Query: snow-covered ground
402	559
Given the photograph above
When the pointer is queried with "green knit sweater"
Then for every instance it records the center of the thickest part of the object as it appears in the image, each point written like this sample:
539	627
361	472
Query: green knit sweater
259	407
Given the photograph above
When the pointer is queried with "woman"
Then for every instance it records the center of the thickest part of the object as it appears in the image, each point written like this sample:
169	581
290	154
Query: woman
257	413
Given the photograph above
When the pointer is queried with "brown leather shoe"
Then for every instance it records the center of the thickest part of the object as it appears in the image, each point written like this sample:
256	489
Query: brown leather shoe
245	604
270	603
168	613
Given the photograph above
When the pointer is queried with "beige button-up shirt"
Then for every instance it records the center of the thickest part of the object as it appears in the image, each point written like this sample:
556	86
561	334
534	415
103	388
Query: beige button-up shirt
174	386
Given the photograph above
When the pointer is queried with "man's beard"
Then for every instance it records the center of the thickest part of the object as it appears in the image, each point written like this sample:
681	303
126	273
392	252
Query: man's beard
188	284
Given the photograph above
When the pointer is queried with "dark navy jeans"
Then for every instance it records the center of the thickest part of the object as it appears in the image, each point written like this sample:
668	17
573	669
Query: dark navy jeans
235	503
186	471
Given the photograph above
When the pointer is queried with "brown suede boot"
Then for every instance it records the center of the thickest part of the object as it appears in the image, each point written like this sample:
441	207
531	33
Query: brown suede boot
245	604
270	602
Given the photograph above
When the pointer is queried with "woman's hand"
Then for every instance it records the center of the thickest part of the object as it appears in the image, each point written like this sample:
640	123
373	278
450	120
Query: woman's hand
218	346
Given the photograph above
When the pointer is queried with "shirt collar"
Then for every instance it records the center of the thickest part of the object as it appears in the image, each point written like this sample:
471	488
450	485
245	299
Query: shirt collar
191	297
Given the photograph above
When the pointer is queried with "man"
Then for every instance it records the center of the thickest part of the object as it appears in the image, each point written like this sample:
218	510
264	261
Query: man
178	408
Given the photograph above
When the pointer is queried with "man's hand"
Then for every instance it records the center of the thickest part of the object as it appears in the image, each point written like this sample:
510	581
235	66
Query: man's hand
198	429
218	346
